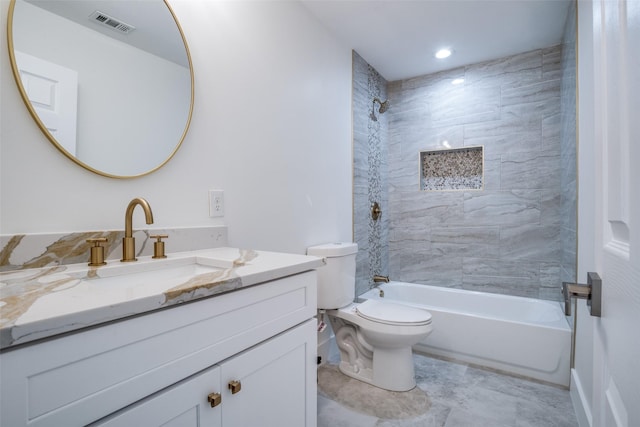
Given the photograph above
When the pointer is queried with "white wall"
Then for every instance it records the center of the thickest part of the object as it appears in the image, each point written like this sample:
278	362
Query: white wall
271	126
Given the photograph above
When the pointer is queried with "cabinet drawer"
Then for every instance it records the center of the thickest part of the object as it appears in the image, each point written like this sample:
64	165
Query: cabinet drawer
184	404
81	377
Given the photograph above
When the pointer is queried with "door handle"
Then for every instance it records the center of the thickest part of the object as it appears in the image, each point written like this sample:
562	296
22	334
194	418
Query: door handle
592	292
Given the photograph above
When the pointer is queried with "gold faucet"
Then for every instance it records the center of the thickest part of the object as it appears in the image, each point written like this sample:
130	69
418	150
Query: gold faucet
128	241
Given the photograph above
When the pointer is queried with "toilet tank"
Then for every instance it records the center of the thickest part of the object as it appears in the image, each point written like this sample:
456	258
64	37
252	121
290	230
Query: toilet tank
337	279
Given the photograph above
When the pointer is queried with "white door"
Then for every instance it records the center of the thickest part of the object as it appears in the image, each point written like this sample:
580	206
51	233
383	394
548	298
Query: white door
609	211
53	92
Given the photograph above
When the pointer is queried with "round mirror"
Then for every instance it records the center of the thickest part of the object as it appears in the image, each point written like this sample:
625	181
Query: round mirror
109	82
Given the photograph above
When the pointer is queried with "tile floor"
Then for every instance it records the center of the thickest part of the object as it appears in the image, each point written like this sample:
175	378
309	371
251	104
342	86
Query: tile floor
466	396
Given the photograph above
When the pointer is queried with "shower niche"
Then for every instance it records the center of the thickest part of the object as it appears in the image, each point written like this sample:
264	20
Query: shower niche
452	169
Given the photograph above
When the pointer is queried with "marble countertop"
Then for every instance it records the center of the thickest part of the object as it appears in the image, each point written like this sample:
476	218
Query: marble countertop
44	302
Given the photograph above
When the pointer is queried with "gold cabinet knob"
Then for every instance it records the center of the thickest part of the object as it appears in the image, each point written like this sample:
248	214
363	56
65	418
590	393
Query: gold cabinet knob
158	246
96	258
214	399
235	386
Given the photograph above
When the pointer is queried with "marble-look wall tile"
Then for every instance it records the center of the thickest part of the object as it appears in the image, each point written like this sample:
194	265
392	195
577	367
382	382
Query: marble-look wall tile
466	241
550	276
513	71
531	169
509	238
530	242
505	238
550	201
552	133
501	285
496	267
419	207
437	270
536	92
568	138
502	207
492	171
552	65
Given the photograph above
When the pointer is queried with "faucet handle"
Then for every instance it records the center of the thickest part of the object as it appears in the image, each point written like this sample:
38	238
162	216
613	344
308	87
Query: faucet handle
158	245
97	251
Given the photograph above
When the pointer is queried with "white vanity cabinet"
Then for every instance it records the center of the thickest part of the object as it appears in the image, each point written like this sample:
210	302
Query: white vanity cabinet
160	368
263	386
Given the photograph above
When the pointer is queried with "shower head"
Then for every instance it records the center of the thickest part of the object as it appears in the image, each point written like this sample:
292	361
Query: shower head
383	107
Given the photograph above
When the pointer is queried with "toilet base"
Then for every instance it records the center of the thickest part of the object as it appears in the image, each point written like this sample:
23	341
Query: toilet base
389	379
383	367
400	378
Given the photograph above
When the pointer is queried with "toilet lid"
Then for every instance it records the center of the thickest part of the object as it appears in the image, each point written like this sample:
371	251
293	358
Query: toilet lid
393	314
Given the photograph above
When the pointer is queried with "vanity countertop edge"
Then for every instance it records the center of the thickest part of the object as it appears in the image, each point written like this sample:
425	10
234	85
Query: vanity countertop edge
45	302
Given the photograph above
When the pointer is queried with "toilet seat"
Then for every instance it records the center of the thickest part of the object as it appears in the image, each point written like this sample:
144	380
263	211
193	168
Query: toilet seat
392	314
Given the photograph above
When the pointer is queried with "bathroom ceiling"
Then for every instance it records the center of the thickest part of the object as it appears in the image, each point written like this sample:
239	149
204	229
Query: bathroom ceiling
154	25
400	37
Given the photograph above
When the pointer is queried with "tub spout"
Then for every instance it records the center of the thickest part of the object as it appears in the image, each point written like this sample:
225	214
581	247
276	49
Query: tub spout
378	279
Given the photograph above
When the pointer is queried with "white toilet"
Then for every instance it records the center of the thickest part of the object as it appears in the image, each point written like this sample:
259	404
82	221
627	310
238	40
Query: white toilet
374	337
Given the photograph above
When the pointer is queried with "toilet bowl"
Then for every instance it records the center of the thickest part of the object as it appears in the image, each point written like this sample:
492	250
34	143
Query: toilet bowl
375	340
374	337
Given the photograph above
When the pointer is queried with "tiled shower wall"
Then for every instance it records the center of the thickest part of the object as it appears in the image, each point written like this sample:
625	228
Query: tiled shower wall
370	184
507	237
568	149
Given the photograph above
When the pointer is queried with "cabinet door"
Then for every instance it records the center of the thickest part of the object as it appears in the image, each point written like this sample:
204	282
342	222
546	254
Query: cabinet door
184	404
277	381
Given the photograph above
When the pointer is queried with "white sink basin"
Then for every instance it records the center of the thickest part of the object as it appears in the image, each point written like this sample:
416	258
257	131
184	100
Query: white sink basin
175	269
179	271
156	272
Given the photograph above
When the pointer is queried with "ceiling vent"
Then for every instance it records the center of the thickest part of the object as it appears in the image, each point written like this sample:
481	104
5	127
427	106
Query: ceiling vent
111	22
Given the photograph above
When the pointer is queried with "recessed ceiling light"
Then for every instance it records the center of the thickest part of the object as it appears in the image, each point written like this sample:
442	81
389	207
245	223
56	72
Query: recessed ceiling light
443	53
457	81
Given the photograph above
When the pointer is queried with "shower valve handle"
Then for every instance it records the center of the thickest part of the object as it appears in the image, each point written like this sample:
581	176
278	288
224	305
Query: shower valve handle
375	211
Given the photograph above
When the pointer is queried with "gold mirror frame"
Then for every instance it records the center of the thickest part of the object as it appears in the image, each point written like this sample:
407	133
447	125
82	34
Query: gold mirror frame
52	139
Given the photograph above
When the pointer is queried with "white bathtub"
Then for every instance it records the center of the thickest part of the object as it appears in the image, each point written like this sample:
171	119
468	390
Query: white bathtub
522	336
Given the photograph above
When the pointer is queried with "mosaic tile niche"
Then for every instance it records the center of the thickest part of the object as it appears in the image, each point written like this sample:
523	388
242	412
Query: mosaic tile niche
455	169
